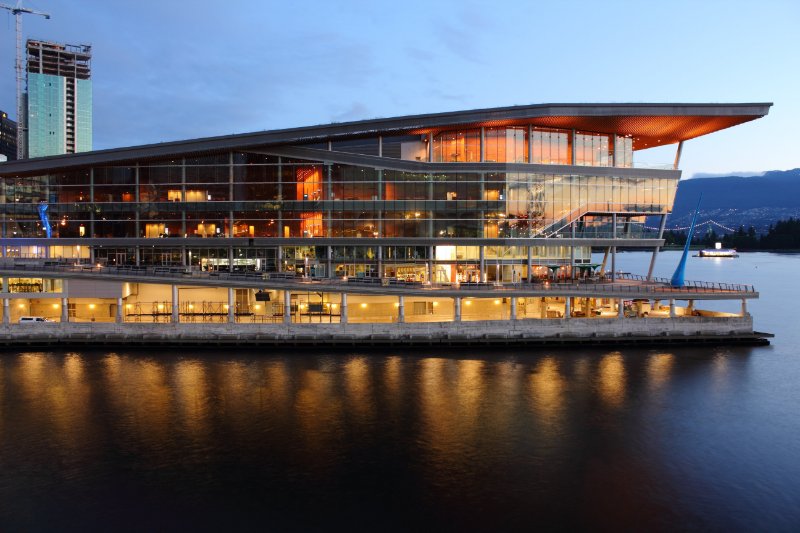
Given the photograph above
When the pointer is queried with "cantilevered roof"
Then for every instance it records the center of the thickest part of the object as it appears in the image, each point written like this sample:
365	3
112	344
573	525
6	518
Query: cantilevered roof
648	124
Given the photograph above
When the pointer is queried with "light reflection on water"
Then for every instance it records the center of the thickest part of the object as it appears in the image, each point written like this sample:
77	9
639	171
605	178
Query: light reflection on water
632	438
447	431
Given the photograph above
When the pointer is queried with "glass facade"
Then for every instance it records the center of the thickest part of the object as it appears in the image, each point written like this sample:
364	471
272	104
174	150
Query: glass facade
83	115
46	115
270	197
180	203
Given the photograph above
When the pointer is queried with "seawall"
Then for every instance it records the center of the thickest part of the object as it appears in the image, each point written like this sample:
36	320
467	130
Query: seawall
582	331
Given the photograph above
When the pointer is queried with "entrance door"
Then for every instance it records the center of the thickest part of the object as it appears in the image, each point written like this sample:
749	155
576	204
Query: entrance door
121	258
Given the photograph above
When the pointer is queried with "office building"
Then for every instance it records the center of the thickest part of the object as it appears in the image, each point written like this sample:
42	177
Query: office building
59	99
8	137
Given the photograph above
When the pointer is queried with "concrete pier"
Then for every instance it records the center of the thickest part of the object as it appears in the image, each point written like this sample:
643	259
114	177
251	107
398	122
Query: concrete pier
574	331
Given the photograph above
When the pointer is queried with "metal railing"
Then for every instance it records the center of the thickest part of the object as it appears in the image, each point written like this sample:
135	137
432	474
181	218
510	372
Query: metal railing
592	284
705	285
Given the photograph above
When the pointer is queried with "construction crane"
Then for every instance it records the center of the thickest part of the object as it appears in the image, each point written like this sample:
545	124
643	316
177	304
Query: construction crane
18	11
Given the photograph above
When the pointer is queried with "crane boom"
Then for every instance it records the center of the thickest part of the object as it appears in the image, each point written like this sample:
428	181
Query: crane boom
18	11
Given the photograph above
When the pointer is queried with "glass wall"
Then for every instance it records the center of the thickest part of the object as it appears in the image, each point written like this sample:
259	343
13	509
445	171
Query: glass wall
509	145
457	146
551	147
594	149
267	196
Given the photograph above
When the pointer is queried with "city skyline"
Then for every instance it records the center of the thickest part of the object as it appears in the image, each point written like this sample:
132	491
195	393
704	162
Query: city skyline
181	71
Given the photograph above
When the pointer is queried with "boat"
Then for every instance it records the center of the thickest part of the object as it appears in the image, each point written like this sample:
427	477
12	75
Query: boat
718	251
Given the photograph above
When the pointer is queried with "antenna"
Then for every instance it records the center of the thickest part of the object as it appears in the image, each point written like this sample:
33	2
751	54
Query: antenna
18	11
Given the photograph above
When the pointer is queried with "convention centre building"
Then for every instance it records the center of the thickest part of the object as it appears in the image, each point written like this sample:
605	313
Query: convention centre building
488	215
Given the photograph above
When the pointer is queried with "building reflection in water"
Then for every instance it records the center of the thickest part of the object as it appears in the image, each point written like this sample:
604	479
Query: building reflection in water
359	389
547	396
317	415
611	379
191	397
394	392
138	391
56	396
659	370
437	413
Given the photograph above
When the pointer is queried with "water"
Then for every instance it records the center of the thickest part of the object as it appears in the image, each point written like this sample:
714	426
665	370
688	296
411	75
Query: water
696	438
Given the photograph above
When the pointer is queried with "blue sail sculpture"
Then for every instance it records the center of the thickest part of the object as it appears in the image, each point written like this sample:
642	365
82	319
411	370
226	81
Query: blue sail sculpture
677	278
45	220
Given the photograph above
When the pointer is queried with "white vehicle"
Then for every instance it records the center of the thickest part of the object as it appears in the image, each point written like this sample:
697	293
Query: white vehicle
32	319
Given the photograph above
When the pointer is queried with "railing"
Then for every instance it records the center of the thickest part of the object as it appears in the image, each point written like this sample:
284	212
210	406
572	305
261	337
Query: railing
592	284
707	285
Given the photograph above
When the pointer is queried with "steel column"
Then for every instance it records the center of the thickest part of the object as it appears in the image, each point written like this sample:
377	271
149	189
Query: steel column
175	316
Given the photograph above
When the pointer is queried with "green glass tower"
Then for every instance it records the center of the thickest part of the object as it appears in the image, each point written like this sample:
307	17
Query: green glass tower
59	99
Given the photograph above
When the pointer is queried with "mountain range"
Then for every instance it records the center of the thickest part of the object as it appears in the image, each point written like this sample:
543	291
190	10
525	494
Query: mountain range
734	201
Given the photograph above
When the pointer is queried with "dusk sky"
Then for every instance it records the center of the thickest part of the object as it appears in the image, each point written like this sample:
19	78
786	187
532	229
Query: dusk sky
174	70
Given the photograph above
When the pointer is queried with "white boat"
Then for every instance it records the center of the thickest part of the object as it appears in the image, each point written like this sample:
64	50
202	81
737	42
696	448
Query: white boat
718	251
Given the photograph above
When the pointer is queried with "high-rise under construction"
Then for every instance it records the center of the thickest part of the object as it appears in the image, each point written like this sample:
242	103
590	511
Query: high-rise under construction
59	98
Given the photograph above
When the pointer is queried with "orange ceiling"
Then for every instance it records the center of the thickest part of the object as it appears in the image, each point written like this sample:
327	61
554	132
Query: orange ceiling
647	131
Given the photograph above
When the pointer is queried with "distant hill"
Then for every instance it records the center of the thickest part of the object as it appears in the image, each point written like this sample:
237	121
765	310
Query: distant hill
735	201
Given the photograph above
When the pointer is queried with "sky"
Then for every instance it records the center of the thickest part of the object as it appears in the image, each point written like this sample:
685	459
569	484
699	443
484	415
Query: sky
180	69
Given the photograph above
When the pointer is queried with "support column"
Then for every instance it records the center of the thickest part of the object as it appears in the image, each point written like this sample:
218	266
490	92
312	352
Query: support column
231	306
621	308
230	199
567	307
530	264
380	262
457	309
329	259
175	316
119	311
483	144
136	228
287	307
91	213
280	199
6	311
183	198
657	248
530	144
605	260
574	147
329	203
513	308
401	309
482	263
744	307
672	308
614	248
678	156
343	309
613	263
430	264
572	252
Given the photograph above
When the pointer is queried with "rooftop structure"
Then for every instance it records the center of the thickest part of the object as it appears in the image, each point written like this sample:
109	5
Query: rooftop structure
505	202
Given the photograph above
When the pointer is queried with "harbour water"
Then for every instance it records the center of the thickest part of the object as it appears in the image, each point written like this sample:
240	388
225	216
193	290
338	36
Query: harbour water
697	438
